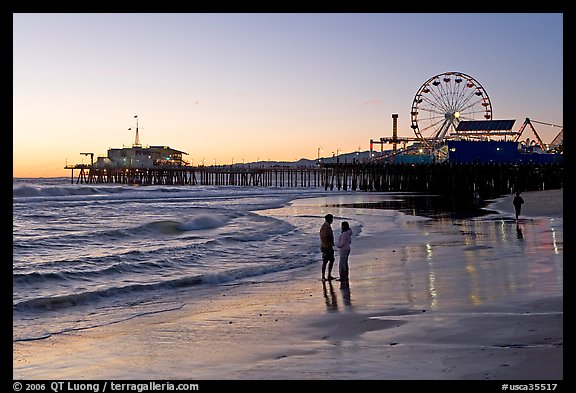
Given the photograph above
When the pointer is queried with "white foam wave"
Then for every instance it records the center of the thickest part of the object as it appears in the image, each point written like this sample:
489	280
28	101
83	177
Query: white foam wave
61	191
204	222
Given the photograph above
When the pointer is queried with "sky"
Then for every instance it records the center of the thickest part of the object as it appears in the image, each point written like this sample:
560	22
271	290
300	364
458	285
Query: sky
239	87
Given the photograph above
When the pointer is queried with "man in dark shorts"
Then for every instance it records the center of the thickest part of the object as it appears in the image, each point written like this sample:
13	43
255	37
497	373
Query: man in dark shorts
327	246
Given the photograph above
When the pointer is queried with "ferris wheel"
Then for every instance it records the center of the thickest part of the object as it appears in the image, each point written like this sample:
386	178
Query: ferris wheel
442	102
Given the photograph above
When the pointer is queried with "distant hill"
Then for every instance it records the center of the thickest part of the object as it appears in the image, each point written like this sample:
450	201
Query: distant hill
346	157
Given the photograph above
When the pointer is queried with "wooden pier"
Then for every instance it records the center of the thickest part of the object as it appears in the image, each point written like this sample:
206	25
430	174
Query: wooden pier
484	180
272	176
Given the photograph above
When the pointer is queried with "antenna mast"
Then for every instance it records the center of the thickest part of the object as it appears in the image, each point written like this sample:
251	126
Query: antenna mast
137	138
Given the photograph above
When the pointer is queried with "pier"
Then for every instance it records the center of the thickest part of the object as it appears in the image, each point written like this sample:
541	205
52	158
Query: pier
486	180
274	176
468	163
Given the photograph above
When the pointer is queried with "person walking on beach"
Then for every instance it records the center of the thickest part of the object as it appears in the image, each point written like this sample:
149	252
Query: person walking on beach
517	202
327	246
343	245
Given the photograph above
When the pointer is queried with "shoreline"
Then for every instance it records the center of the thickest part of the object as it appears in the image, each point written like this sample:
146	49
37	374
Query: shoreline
398	319
549	203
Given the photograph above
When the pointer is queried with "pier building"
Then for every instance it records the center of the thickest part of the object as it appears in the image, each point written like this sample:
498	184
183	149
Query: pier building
141	157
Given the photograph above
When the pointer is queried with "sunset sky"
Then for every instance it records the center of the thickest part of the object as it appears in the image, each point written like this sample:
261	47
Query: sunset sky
244	87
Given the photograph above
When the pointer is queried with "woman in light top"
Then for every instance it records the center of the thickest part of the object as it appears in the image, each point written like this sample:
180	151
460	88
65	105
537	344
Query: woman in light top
343	245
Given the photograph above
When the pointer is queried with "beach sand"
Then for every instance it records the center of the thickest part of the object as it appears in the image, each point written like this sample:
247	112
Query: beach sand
476	299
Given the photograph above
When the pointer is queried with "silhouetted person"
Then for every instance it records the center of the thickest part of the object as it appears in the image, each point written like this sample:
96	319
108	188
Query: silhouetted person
327	246
517	202
343	245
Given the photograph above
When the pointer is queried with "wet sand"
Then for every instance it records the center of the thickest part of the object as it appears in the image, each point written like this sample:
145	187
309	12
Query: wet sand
548	203
476	299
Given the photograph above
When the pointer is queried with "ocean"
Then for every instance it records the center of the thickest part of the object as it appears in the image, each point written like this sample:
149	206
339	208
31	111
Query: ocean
88	255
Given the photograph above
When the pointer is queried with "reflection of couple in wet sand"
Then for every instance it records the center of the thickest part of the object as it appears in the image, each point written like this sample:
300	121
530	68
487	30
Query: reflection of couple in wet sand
330	295
327	248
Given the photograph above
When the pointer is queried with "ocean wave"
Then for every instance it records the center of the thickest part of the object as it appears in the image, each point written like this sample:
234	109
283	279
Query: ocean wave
78	298
52	303
141	230
60	302
59	191
172	227
200	222
77	273
186	249
157	260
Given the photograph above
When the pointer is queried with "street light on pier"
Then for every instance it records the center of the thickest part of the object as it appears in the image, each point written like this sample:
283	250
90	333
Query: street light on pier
319	150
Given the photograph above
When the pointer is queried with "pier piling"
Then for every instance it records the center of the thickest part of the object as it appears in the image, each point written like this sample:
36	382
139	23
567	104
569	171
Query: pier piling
485	180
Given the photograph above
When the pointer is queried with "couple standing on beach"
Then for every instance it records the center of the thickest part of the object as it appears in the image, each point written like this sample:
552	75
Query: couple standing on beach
327	248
